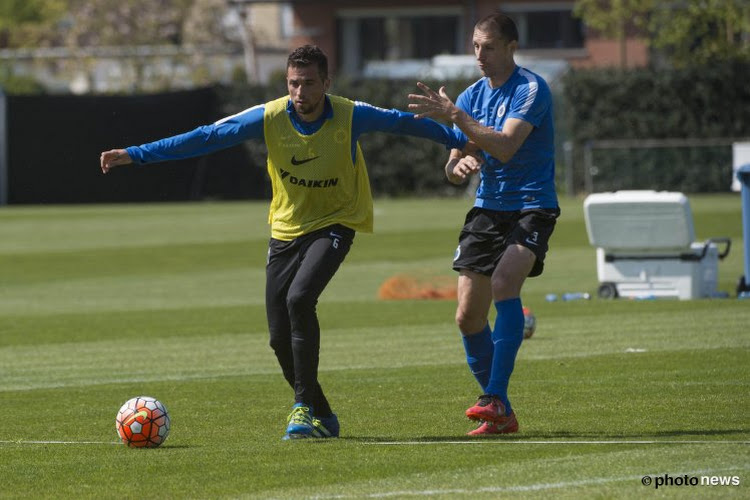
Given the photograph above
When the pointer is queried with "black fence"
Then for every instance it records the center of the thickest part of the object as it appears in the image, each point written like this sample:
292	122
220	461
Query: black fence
54	142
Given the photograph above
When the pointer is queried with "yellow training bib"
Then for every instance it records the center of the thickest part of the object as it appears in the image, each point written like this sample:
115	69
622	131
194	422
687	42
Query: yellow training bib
315	184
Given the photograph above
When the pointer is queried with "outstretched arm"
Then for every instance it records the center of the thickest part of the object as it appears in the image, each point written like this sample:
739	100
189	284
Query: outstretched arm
368	118
203	140
499	144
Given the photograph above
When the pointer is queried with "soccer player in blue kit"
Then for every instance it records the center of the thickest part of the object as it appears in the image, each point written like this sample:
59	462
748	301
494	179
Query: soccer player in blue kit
321	197
508	114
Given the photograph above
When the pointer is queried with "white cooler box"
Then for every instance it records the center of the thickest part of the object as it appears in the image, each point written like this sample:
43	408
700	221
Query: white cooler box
645	246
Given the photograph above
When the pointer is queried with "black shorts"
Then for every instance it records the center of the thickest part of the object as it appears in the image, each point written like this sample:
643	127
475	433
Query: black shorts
285	257
487	233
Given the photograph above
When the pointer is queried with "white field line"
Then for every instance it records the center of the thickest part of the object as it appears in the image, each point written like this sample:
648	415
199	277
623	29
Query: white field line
522	488
61	442
506	442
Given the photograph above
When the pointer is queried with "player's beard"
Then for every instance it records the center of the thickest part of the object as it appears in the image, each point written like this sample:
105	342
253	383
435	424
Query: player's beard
307	107
487	70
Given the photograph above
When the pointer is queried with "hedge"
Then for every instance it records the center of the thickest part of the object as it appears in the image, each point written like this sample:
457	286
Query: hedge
697	103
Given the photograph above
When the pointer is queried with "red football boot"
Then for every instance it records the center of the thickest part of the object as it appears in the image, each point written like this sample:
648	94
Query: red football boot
492	428
488	408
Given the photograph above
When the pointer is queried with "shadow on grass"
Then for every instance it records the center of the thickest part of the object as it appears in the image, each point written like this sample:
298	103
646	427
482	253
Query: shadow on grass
567	436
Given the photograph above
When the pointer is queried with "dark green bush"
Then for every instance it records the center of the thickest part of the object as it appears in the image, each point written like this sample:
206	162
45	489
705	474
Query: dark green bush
18	85
689	103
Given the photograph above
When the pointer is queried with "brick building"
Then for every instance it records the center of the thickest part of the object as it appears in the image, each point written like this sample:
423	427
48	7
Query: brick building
358	33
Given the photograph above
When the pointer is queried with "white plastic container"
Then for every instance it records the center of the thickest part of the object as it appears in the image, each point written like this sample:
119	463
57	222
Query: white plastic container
645	246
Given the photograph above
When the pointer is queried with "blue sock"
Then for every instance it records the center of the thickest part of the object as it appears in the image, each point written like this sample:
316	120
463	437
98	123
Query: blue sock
479	350
507	337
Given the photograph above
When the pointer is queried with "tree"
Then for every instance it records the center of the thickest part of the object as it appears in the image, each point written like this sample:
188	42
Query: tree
224	22
129	22
26	23
702	31
206	23
687	32
612	18
152	43
135	24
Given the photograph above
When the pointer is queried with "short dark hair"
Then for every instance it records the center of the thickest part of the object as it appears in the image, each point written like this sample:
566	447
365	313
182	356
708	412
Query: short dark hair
309	55
499	23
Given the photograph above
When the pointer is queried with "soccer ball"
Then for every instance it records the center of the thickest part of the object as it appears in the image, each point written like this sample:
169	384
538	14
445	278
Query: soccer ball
143	422
529	323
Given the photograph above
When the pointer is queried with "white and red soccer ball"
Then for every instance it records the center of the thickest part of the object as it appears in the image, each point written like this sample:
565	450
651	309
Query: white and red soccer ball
529	323
143	422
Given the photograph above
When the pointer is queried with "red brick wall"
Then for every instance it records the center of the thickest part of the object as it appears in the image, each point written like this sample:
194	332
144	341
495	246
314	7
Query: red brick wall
606	53
315	24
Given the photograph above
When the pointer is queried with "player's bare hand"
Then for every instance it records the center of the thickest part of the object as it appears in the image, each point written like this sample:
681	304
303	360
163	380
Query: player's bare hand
461	169
113	158
467	166
432	104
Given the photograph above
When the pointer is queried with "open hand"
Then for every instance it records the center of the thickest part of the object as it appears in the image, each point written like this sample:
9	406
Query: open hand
432	104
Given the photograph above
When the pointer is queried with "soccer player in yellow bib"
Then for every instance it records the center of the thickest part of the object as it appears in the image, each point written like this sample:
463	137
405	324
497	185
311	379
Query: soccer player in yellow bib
321	197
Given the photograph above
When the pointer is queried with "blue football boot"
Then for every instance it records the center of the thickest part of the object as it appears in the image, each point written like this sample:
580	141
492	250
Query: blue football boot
300	422
327	427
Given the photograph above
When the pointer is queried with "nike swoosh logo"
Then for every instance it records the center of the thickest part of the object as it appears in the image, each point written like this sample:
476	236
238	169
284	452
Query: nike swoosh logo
141	413
295	161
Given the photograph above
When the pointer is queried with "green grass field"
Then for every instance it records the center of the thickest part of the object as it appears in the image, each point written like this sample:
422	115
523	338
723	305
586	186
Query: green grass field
99	304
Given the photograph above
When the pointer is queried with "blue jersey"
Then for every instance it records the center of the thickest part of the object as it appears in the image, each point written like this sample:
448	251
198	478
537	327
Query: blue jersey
248	124
527	180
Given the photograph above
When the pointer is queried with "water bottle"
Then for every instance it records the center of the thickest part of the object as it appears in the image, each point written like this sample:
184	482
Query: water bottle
575	296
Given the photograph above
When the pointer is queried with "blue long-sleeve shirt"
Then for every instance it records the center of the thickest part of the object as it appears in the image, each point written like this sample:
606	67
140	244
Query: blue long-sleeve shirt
248	124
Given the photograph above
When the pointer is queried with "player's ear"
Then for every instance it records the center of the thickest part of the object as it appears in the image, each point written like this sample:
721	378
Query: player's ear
326	84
